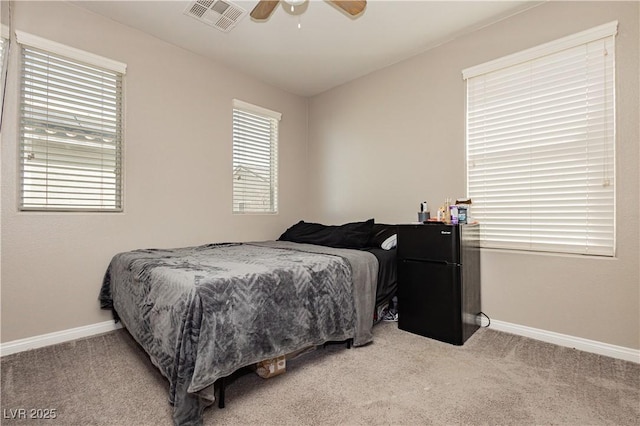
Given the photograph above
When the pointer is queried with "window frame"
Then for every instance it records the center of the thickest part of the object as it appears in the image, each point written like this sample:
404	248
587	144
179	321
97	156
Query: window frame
549	243
5	45
54	51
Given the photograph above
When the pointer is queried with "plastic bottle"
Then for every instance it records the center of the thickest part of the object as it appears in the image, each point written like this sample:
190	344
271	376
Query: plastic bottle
453	212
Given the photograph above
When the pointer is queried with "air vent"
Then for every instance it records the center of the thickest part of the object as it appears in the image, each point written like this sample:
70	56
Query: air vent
220	14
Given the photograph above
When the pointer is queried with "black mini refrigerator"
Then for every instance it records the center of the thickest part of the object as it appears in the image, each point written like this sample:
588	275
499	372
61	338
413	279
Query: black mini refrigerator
439	280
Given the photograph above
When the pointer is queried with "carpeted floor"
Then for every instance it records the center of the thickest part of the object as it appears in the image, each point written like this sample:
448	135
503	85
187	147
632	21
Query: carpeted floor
495	378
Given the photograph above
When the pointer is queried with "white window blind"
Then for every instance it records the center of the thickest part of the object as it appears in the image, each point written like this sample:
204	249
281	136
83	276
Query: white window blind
255	159
3	48
541	147
70	132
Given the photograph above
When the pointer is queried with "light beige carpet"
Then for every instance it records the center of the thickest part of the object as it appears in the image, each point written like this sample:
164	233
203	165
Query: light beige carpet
495	378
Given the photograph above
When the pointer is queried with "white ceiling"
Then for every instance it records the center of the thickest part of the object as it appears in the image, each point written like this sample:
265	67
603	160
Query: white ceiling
330	49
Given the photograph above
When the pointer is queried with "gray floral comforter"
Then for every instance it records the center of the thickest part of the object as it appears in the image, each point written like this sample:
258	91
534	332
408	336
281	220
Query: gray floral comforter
203	312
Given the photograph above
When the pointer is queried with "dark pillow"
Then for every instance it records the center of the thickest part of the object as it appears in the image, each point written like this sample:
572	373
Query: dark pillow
349	235
380	233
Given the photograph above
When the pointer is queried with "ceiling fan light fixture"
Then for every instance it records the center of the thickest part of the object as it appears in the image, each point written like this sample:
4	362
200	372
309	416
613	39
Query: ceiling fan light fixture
294	3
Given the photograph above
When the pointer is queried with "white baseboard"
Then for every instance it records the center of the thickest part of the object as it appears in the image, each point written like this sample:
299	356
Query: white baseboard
579	343
586	345
21	345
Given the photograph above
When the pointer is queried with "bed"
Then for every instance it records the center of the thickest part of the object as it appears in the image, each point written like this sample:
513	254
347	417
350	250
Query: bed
201	313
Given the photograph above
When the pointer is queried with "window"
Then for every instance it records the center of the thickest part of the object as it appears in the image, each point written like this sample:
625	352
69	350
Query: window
255	159
4	59
3	48
70	128
541	146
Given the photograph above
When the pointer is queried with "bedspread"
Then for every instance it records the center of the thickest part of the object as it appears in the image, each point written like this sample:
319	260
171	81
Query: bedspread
203	312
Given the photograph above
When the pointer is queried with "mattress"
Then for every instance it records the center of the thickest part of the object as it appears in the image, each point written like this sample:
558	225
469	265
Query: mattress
203	312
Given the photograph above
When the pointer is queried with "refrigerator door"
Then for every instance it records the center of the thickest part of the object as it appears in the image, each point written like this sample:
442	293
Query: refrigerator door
429	300
432	242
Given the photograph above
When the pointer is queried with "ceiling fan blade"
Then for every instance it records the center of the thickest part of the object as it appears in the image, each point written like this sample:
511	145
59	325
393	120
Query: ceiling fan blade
352	7
264	9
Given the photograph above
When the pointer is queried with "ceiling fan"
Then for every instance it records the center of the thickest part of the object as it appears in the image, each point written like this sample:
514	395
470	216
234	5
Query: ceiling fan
265	8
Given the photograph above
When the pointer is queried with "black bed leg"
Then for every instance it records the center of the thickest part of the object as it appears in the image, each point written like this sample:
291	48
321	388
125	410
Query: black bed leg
349	342
221	393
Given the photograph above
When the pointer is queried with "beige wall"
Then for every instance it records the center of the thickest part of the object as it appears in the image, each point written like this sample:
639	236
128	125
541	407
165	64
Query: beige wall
177	172
383	143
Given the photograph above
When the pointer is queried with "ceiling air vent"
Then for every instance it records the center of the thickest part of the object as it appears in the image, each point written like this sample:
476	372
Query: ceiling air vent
221	14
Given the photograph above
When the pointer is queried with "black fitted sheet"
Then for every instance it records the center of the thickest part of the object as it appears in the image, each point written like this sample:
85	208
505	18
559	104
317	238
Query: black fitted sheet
387	274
